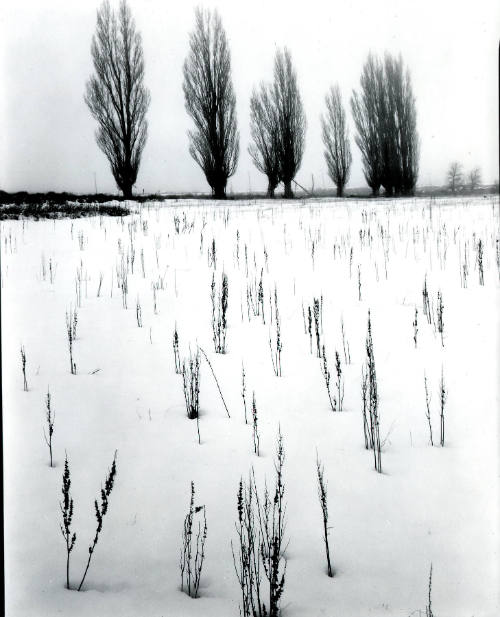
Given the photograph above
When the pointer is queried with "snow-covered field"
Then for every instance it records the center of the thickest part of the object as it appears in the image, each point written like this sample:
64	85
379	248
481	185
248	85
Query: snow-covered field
434	505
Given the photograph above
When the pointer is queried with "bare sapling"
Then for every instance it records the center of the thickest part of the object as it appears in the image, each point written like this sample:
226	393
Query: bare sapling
428	608
327	376
66	507
247	562
364	399
372	392
278	347
43	267
52	271
23	367
71	323
415	327
322	495
50	418
464	267
426	308
480	261
191	384
260	297
256	438
316	312
243	391
138	312
443	394
439	311
154	288
260	562
100	512
465	273
78	285
309	327
193	549
212	255
497	255
219	313
345	342
122	279
175	345
272	522
340	382
428	409
100	285
215	379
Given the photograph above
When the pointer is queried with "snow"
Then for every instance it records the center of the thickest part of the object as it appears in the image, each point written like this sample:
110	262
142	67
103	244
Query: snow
431	504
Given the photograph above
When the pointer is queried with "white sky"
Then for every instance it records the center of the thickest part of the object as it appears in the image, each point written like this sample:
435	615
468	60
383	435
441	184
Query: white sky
47	133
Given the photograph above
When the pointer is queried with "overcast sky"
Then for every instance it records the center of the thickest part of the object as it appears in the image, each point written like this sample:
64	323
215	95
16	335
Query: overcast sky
47	133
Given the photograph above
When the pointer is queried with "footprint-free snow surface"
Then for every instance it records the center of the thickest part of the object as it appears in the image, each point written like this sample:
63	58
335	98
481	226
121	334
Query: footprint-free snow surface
133	281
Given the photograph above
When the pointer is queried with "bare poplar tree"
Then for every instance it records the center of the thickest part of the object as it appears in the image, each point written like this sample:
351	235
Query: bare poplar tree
454	175
336	140
365	107
290	117
474	178
385	116
116	95
265	135
401	144
211	102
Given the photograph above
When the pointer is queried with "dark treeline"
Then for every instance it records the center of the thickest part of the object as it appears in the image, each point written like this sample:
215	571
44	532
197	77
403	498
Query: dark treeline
383	109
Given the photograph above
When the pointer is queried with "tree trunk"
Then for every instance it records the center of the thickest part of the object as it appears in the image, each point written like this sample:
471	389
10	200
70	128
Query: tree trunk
288	189
340	190
127	190
219	191
270	190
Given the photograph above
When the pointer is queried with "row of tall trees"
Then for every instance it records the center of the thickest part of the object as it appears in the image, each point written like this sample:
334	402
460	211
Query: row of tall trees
384	112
